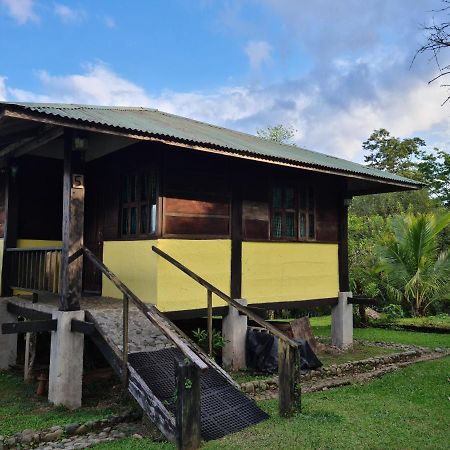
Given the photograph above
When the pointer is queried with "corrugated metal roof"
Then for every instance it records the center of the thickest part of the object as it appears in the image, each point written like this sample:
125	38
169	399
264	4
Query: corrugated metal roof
153	122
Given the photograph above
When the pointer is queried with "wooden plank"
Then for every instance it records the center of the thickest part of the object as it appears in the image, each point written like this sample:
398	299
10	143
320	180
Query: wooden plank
152	314
187	382
210	322
125	311
28	313
151	405
29	326
81	326
236	238
73	226
29	144
11	225
362	301
241	308
288	379
344	282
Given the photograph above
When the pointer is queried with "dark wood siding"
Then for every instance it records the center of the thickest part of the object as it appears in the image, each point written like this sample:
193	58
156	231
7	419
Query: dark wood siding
196	195
2	203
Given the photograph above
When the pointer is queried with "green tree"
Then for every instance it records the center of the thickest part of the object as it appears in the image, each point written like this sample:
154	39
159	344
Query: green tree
399	156
435	171
416	273
278	133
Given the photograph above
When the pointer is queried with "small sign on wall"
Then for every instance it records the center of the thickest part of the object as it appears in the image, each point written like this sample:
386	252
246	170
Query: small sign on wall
77	181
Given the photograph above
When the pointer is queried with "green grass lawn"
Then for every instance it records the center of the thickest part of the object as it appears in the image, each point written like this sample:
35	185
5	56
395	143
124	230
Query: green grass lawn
21	409
440	321
322	327
408	409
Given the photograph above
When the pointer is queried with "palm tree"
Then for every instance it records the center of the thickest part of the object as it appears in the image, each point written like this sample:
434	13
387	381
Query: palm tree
415	271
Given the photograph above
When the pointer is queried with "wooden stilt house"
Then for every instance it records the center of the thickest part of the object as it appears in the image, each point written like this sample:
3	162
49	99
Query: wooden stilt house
259	220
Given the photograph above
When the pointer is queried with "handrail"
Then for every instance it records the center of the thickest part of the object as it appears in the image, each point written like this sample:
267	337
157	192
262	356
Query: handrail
243	309
150	312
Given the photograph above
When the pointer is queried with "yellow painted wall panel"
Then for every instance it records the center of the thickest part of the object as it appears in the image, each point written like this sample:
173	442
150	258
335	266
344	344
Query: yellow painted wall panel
211	259
32	243
279	271
135	264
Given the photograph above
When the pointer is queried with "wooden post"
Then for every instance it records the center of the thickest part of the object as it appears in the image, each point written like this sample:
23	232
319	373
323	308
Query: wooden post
210	324
125	341
236	236
72	225
11	223
344	283
289	379
187	382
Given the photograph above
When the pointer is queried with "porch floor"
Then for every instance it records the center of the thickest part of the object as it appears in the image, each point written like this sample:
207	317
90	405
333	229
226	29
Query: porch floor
106	313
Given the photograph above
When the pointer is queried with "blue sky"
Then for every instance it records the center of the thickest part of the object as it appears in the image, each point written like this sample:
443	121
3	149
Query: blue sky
332	69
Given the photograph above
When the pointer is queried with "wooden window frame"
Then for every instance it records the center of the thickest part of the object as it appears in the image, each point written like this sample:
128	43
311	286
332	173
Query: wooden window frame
298	187
138	203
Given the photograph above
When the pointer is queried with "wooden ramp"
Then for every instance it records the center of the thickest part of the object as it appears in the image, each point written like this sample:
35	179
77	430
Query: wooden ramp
151	366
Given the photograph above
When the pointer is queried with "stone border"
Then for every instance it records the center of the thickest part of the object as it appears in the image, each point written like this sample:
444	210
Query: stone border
33	438
259	388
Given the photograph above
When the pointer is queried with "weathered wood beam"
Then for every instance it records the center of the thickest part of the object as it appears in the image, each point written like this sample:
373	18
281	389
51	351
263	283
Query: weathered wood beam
10	226
29	144
29	326
344	282
362	301
151	405
80	326
188	415
72	226
28	313
289	400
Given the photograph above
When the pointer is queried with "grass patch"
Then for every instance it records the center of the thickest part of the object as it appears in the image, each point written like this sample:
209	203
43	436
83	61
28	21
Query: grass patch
405	409
21	409
322	327
439	321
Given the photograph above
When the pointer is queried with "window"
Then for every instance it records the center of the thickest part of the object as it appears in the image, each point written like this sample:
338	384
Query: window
139	204
293	213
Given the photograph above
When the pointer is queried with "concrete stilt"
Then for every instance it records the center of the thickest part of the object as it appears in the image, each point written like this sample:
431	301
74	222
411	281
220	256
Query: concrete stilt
8	342
234	331
66	361
342	322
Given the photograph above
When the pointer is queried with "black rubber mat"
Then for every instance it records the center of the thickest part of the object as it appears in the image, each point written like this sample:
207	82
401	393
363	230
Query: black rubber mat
224	408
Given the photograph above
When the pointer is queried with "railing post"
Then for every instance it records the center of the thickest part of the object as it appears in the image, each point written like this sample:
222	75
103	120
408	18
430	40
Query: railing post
187	383
289	379
125	340
210	324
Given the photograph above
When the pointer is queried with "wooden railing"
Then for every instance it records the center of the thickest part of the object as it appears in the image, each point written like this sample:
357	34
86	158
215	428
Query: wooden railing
161	322
288	349
34	269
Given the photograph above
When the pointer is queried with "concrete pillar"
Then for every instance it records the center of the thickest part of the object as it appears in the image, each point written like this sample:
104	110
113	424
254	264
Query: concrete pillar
342	322
8	342
234	331
66	361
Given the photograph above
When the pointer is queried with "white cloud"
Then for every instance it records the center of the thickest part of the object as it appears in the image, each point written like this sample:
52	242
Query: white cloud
2	88
325	119
21	10
110	22
258	53
69	15
97	85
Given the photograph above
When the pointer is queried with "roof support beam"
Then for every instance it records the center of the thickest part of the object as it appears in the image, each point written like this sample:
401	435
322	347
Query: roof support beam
29	144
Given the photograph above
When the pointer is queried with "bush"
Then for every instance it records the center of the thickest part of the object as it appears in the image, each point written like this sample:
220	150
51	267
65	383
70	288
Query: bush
393	311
